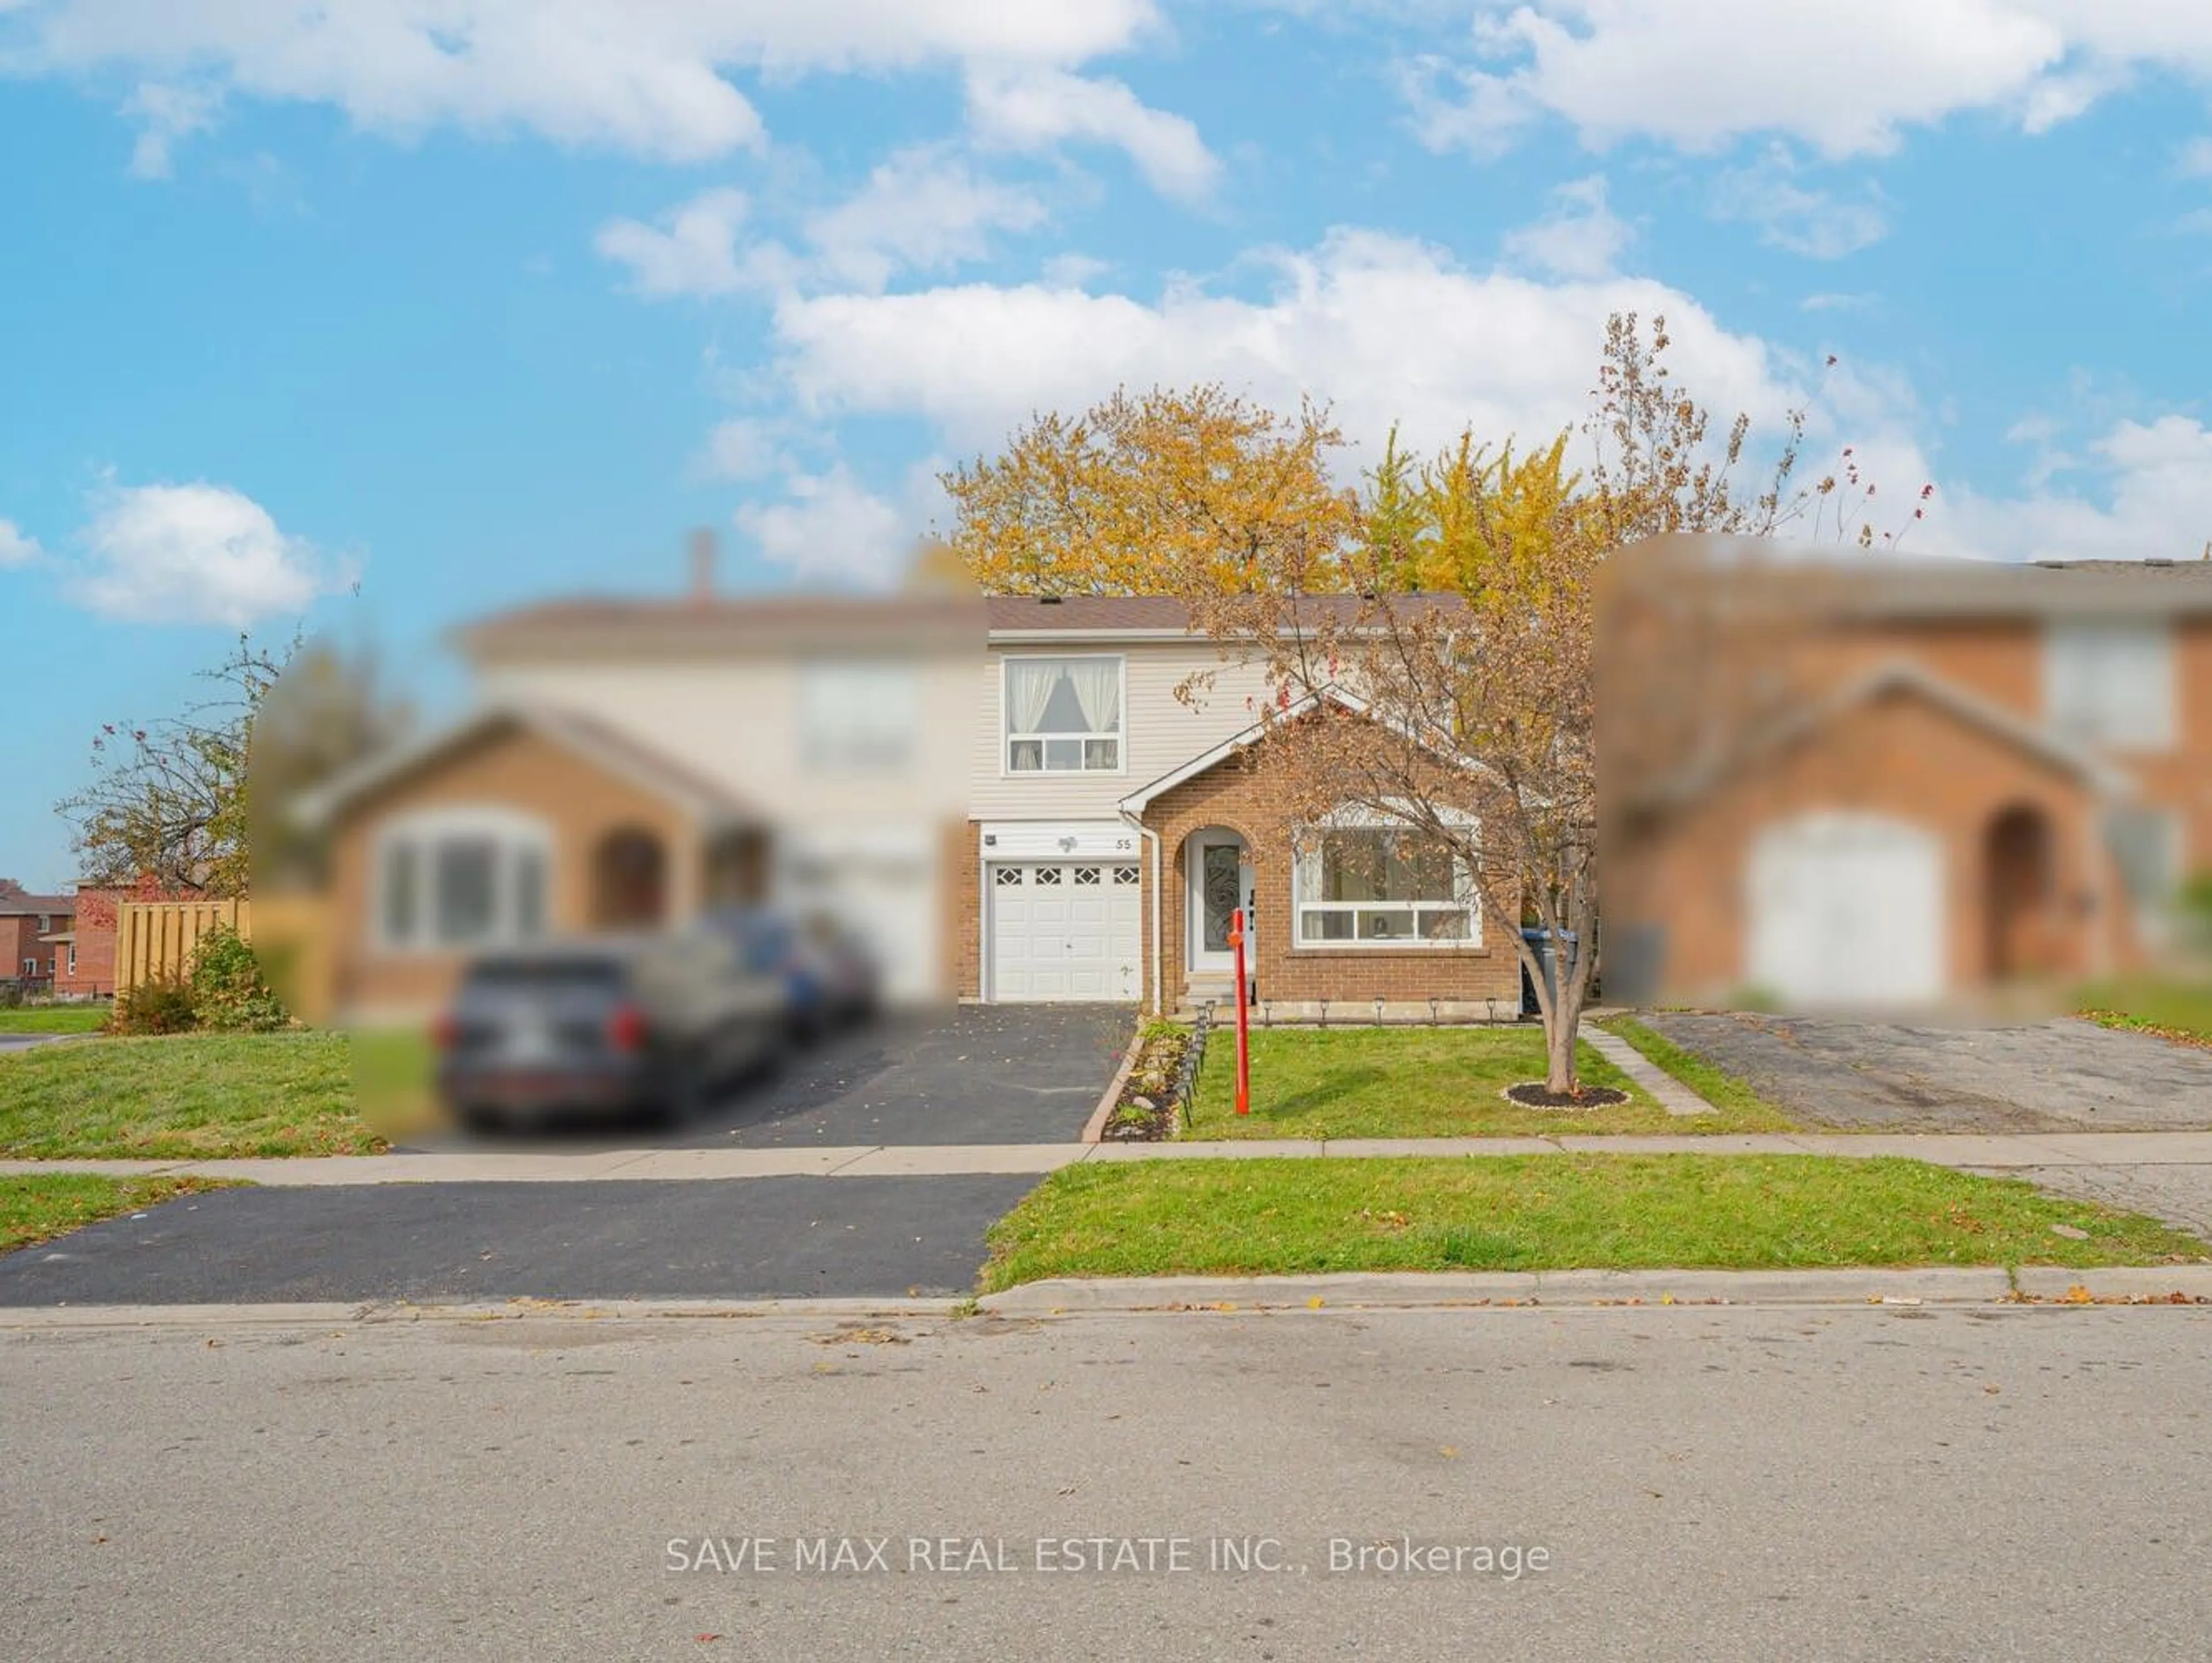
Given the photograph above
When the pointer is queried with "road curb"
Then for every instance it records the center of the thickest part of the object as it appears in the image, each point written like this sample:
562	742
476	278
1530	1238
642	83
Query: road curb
388	1314
1983	1285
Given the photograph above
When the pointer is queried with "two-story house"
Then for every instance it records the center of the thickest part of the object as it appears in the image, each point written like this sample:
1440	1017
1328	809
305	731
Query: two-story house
37	949
1889	782
1015	799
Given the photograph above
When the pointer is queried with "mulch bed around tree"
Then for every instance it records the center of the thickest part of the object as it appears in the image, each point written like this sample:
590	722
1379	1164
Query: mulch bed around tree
1534	1095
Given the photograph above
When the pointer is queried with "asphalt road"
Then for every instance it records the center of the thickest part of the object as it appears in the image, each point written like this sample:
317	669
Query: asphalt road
1888	1484
753	1238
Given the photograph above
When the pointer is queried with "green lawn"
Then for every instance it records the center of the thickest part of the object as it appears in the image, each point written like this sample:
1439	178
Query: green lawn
1412	1082
53	1019
188	1096
47	1204
1746	1110
2176	1010
1546	1212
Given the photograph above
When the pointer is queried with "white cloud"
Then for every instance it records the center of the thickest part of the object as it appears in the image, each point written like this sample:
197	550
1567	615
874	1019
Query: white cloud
167	114
1035	108
2194	159
1580	236
1833	301
691	251
1787	215
17	547
831	528
1390	329
2155	499
195	554
644	76
1844	79
744	448
923	209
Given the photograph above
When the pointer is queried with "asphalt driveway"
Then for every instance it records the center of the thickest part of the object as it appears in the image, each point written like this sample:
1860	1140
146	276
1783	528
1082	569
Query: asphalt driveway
2059	1075
980	1074
753	1238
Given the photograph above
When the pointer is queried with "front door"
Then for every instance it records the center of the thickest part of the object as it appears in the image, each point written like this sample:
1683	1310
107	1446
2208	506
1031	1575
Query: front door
1219	883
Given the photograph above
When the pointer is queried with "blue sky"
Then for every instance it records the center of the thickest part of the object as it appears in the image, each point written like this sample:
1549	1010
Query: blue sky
374	314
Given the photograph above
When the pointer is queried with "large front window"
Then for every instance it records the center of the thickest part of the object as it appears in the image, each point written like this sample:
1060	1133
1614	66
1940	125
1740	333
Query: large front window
448	882
1376	887
1063	715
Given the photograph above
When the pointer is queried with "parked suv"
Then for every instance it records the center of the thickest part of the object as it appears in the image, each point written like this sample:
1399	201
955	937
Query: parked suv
643	1025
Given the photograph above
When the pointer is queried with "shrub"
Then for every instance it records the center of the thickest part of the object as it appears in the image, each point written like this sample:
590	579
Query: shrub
227	990
159	1004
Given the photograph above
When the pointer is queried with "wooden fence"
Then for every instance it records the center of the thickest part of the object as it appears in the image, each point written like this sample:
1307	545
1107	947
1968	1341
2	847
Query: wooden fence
154	938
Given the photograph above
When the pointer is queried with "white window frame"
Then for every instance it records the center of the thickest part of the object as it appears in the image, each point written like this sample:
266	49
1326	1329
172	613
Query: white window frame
516	836
1307	849
2108	725
1007	736
841	756
72	958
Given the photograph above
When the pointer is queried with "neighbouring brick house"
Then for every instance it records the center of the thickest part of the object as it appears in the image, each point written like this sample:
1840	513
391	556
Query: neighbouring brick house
1972	774
37	947
1010	797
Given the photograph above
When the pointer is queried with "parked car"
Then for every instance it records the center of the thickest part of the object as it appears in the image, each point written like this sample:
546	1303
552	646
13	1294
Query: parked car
850	978
829	977
642	1026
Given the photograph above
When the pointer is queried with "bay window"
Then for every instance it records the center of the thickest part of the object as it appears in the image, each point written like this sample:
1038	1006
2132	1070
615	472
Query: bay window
452	880
1375	886
1063	715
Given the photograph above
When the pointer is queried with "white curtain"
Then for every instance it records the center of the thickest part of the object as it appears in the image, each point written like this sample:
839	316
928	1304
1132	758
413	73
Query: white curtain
1097	684
1029	689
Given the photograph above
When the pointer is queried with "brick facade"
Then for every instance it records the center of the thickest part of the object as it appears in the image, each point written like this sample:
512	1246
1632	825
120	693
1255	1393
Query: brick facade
1234	796
581	804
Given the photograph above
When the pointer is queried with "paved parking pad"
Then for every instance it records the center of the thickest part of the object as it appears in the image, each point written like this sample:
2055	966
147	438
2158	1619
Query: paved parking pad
2061	1075
757	1238
982	1074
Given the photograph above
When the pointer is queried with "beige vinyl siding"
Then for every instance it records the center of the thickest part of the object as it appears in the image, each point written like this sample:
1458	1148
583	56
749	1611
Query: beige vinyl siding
1159	731
737	722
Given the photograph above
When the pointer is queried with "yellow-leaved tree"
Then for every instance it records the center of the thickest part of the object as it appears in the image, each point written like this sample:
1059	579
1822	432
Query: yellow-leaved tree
1155	492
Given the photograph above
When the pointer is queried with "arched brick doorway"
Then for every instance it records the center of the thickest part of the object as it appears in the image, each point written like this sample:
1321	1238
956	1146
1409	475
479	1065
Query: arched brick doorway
2020	881
629	881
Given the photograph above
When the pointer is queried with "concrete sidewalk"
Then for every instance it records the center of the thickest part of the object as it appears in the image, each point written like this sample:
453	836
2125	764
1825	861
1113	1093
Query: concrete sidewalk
1985	1153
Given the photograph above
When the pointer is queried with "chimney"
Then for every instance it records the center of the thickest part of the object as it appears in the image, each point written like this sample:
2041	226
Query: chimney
702	565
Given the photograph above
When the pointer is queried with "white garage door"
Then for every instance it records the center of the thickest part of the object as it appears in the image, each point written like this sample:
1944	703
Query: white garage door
1846	910
1063	931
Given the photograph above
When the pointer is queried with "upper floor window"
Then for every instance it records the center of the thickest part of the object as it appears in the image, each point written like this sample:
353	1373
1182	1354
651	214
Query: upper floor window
1063	715
856	717
2110	682
454	879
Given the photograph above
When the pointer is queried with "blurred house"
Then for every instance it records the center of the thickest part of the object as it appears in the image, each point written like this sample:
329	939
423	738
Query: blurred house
1010	800
1878	782
37	946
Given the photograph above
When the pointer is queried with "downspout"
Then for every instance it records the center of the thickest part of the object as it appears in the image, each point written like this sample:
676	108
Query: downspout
1152	838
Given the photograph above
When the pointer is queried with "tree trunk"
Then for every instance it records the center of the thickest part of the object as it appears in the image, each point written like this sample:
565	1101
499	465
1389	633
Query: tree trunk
1559	1048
